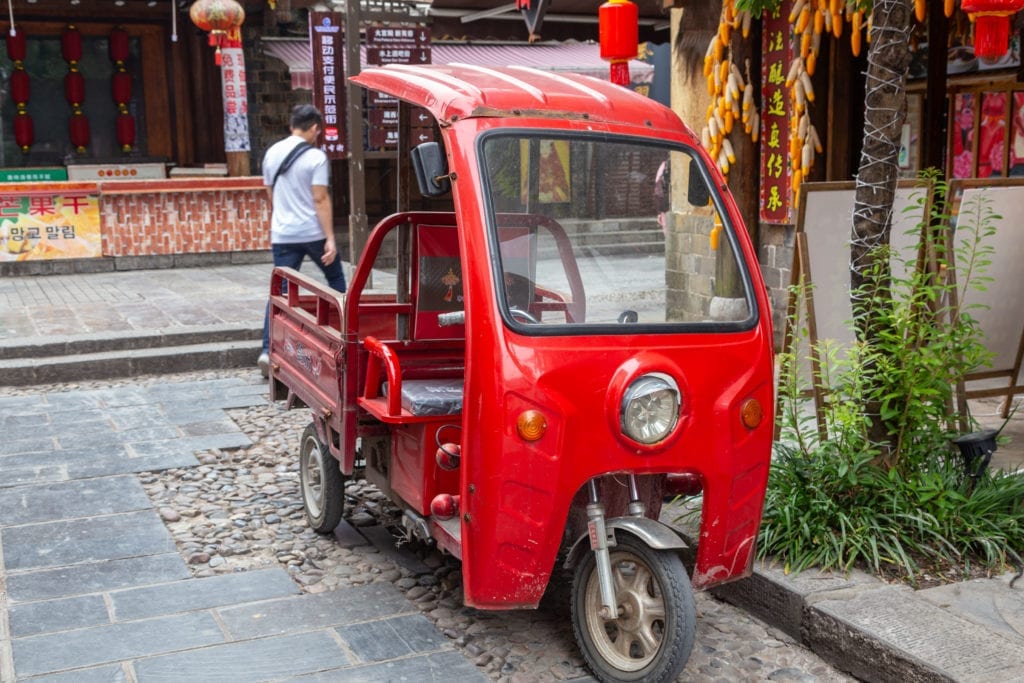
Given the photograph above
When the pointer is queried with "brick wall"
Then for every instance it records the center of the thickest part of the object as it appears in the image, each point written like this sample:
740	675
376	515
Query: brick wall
165	217
775	254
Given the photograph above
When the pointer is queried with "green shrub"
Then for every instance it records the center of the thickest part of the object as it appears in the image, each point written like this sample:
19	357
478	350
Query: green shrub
840	497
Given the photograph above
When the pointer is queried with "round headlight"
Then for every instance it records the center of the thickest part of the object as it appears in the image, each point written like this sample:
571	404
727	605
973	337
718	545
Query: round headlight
650	408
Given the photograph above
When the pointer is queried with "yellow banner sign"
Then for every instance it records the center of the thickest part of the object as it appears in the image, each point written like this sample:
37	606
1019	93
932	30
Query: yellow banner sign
38	225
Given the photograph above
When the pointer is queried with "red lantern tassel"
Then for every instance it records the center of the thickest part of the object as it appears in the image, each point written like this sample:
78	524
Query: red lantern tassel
619	73
991	34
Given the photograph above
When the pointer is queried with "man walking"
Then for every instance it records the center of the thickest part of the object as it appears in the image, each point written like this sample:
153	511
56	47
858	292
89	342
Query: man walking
296	173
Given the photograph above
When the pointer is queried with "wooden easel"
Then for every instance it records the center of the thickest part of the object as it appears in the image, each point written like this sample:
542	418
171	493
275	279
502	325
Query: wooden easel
1001	313
821	257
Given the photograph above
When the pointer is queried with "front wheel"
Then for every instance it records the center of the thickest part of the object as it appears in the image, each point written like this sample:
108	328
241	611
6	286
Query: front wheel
652	636
323	485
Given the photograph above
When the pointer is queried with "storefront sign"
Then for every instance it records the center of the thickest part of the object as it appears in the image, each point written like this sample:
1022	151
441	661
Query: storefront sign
396	44
328	42
777	48
31	175
49	225
236	108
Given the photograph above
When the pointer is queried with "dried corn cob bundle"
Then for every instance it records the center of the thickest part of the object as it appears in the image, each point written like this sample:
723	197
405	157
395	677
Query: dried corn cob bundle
732	93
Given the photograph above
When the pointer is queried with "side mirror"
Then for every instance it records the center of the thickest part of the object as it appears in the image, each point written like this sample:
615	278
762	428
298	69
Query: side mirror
431	168
697	191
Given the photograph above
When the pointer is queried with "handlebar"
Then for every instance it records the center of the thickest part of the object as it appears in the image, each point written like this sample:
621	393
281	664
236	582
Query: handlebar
451	319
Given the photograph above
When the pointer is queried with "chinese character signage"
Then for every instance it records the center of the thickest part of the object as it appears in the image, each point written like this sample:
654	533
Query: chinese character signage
236	112
395	44
28	175
44	225
777	49
328	43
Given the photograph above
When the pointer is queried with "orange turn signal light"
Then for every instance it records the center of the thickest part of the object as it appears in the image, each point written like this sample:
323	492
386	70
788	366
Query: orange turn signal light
531	425
751	413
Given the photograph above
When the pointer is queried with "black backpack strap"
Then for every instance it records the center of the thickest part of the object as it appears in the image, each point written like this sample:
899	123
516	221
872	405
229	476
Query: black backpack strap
297	151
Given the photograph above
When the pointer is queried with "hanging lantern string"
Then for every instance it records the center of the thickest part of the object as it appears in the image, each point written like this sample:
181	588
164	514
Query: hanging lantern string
10	10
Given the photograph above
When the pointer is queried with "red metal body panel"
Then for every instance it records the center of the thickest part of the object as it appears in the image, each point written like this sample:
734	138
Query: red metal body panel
516	496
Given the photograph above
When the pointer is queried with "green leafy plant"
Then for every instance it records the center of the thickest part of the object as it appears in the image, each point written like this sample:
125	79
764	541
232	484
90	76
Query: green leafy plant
838	498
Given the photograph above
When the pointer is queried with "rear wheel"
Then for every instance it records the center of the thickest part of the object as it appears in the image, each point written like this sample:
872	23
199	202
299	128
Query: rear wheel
652	637
323	485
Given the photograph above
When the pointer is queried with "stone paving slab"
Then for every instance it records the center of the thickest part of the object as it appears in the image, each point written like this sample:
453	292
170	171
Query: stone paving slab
85	498
204	593
90	539
95	577
314	611
111	673
376	641
114	642
248	661
990	603
33	618
442	667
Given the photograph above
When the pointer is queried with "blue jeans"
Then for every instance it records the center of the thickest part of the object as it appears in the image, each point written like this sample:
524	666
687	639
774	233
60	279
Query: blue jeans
290	256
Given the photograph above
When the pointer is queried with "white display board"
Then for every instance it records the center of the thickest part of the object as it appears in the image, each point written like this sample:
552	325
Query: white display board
1000	313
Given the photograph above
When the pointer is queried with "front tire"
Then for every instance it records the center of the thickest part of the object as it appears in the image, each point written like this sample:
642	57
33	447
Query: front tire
323	485
653	635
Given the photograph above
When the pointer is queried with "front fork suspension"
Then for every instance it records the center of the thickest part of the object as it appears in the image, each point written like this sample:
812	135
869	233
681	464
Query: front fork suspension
600	541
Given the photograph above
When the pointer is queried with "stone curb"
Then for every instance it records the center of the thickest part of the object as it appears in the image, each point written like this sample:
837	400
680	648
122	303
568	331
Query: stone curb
45	347
876	631
130	362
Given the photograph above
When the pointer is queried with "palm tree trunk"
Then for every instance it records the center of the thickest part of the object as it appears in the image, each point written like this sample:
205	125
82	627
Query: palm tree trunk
885	111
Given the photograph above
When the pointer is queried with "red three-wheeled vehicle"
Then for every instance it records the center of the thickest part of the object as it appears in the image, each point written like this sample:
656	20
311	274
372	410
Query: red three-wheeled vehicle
530	373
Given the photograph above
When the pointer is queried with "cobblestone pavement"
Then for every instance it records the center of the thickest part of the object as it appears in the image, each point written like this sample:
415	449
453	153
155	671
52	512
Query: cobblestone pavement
241	510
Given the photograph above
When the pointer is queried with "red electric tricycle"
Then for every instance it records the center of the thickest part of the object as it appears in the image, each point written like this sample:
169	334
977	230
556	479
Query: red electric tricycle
530	371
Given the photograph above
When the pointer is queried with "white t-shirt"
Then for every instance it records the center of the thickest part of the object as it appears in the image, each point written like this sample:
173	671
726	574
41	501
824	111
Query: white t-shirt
294	215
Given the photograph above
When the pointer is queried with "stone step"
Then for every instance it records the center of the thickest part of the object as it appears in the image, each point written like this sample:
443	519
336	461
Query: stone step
41	347
128	361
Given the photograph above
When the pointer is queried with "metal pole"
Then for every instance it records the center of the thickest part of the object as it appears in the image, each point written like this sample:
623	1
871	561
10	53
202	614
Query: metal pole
357	220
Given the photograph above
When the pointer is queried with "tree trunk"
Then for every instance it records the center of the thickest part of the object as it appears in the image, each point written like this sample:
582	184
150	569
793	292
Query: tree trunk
885	110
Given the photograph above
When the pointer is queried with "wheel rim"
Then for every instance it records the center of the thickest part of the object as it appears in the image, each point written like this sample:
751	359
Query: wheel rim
633	640
313	478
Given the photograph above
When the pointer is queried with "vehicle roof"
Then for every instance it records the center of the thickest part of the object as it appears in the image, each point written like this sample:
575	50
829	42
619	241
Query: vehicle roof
456	91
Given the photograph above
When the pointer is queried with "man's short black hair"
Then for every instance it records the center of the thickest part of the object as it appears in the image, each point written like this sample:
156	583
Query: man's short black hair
304	116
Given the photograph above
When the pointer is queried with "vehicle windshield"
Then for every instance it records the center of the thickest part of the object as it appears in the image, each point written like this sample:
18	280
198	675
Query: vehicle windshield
592	233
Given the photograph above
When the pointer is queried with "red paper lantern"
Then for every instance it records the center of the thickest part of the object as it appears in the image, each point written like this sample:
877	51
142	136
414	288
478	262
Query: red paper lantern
126	131
74	87
24	131
16	47
219	17
991	25
71	45
21	89
118	45
121	87
78	126
619	34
